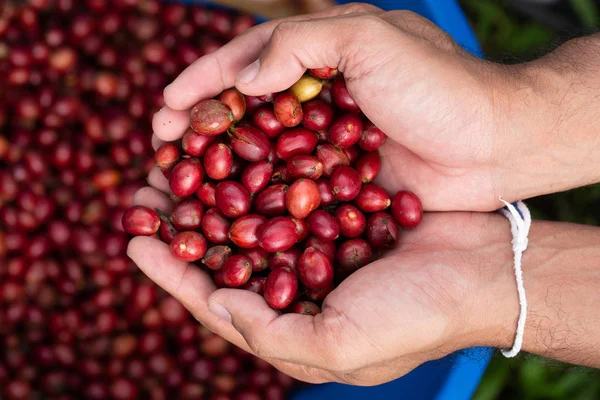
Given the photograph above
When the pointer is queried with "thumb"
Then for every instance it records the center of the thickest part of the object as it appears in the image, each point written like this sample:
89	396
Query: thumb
288	337
338	42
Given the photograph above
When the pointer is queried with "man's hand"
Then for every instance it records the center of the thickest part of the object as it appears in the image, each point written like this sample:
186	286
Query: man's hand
414	305
464	131
449	285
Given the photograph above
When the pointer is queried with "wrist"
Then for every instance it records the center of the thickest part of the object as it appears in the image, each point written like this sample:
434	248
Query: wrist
561	275
548	136
490	312
482	310
564	277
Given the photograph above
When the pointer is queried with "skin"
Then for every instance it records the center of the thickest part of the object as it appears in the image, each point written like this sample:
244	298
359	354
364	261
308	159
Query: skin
462	132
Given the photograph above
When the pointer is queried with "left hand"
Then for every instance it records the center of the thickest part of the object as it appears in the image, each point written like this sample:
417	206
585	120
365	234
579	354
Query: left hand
416	304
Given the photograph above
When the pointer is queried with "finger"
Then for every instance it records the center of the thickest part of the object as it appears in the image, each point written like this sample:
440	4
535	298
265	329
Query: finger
169	124
292	338
297	45
152	198
156	142
158	180
186	282
213	73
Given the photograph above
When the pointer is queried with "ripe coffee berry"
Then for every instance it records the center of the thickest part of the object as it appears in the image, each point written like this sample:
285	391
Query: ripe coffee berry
188	246
140	220
407	209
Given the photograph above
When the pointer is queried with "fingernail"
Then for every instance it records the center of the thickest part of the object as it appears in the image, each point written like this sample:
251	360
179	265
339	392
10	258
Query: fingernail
249	73
219	311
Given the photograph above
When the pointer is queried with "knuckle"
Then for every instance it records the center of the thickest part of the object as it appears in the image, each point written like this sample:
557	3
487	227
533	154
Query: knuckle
371	23
421	27
283	31
359	8
410	15
440	39
359	33
447	42
405	19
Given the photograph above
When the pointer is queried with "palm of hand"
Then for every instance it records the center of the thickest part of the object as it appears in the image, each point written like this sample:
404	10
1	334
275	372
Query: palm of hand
406	308
385	320
380	323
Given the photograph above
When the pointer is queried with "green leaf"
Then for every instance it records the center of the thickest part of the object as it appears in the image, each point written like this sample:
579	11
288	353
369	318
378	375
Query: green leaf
570	383
534	378
587	12
496	378
589	392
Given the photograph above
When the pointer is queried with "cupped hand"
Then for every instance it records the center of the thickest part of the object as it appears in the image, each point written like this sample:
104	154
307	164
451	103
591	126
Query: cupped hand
421	302
453	140
447	143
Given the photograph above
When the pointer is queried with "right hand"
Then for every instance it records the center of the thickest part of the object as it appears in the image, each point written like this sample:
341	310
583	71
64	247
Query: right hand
463	131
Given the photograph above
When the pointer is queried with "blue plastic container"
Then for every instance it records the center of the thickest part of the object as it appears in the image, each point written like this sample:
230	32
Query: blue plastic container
456	376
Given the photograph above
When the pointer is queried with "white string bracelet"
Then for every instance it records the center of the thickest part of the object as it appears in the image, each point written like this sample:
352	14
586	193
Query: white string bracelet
520	222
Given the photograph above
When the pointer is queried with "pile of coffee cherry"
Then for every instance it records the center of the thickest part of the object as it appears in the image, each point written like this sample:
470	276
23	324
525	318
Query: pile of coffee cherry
275	194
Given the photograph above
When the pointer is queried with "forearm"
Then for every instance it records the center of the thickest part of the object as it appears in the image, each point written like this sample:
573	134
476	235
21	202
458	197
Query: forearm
550	108
561	272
